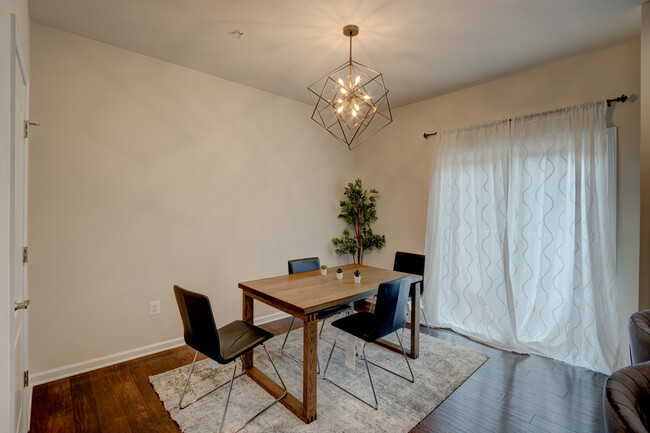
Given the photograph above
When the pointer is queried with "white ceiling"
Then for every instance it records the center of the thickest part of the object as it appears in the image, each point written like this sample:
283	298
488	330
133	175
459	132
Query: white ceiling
423	47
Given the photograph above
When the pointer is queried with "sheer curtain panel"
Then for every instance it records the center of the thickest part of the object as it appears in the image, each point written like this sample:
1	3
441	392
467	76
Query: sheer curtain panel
519	243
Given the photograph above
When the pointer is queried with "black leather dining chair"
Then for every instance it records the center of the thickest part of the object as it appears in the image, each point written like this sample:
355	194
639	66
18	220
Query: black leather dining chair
297	266
388	317
411	263
224	345
639	330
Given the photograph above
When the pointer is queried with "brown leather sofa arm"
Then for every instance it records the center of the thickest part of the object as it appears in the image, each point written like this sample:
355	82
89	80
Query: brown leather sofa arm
626	400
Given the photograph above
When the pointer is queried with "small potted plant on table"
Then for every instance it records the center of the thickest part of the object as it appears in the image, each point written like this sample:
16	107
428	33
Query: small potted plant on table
323	270
339	274
357	276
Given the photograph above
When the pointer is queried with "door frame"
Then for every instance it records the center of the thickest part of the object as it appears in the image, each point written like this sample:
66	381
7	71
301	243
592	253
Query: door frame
18	61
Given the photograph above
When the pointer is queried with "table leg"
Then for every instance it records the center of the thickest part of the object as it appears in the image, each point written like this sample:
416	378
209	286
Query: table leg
415	322
309	366
247	316
306	409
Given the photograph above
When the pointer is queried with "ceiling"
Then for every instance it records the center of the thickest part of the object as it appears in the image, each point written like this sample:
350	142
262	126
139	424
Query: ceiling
424	48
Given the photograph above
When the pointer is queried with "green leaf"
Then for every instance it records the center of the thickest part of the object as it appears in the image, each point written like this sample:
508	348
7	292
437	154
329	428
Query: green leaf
358	211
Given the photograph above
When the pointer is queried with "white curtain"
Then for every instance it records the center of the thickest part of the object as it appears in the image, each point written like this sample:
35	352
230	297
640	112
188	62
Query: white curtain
519	248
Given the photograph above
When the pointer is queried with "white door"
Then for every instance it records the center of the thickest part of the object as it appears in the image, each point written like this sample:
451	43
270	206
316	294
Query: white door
18	232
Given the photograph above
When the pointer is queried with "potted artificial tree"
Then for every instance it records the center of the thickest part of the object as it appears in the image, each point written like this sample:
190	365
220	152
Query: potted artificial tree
358	211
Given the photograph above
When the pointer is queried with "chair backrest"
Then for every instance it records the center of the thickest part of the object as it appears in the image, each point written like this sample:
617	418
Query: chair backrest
200	331
639	329
411	264
390	307
303	265
626	400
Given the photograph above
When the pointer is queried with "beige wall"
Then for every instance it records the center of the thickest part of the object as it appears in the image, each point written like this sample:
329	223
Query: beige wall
19	8
146	174
399	162
644	266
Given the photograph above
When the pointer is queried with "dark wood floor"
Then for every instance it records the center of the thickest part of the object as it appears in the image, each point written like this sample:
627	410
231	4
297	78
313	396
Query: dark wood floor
509	393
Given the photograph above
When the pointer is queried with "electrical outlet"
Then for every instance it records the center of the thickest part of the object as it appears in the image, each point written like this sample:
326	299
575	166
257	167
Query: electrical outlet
154	307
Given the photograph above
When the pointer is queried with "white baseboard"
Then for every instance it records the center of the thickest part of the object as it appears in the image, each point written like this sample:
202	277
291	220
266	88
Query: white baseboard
116	358
103	361
270	318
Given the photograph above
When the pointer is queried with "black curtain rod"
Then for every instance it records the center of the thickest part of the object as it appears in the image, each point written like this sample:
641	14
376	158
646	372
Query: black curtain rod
621	98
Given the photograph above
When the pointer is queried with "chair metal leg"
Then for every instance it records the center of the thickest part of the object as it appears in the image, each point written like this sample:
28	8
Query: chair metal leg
320	334
408	312
376	405
225	409
287	335
267	407
408	308
330	357
290	355
406	358
187	382
426	323
276	370
231	381
412	379
365	358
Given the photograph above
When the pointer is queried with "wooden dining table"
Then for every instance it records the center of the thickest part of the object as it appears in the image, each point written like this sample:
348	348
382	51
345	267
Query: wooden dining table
302	295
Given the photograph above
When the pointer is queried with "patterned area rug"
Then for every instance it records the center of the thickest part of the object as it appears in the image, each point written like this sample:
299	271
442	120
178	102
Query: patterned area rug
441	368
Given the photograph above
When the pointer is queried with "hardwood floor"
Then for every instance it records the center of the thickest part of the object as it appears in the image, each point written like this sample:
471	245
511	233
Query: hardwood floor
509	393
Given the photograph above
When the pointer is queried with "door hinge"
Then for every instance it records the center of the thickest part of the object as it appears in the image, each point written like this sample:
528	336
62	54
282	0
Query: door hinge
26	378
25	254
27	125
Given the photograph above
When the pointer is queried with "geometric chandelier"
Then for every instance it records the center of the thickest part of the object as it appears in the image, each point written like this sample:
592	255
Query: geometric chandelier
351	102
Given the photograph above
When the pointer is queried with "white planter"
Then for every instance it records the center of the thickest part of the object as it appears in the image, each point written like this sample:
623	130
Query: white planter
339	276
357	279
323	271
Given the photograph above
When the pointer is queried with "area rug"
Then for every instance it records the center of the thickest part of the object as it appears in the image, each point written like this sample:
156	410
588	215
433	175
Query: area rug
441	368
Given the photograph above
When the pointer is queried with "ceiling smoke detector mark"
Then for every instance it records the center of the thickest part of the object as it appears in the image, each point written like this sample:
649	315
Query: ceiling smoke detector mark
238	33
